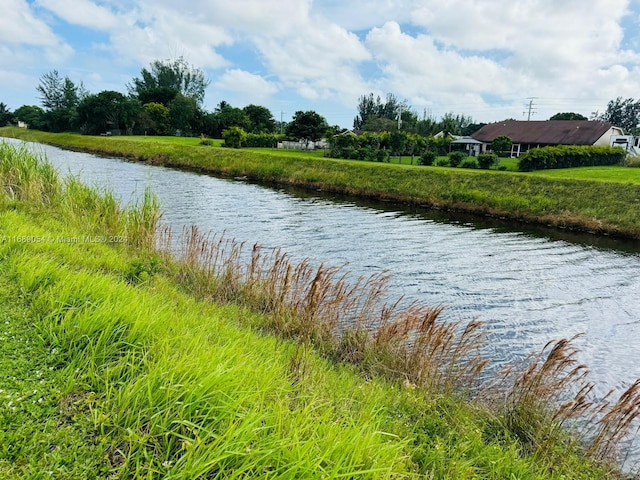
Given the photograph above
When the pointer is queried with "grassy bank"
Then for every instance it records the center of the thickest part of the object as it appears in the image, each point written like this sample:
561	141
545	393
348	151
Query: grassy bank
594	200
118	361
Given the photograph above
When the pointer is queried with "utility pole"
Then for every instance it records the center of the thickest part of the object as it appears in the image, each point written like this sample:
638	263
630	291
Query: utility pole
530	109
399	116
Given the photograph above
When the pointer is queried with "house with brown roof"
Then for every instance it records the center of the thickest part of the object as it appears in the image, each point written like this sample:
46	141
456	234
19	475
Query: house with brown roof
533	134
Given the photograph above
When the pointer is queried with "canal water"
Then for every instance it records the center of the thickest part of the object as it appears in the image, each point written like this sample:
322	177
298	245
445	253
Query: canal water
527	286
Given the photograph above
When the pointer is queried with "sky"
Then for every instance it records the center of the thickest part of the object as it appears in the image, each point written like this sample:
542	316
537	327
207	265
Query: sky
486	59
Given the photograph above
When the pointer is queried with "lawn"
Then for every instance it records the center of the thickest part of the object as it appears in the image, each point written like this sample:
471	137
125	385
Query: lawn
603	174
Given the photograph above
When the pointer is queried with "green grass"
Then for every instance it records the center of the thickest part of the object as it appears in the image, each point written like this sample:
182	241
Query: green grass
613	174
111	367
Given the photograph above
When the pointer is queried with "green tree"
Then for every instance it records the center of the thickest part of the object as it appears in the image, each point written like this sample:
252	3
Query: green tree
397	142
6	117
155	120
379	124
309	126
472	128
501	145
164	80
427	125
106	111
376	115
568	116
454	124
225	116
260	119
623	113
32	115
60	98
182	111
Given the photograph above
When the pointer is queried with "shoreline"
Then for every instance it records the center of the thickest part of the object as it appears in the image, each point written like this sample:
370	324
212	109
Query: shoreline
600	208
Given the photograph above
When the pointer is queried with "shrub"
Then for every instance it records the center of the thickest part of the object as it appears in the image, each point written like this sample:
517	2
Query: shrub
263	140
487	160
469	162
569	156
501	144
205	141
234	137
456	158
381	155
428	157
442	162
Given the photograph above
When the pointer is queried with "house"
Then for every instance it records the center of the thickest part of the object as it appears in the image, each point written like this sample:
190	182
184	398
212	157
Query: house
533	134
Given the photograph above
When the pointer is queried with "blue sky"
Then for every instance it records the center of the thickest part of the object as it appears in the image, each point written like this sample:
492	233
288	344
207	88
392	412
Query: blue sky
482	58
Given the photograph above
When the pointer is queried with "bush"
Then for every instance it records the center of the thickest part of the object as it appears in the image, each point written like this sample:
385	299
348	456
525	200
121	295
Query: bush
501	144
469	162
570	156
428	157
442	162
205	141
487	160
263	140
456	158
234	137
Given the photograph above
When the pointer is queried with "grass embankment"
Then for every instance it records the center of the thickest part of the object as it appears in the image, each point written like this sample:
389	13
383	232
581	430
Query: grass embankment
115	363
593	200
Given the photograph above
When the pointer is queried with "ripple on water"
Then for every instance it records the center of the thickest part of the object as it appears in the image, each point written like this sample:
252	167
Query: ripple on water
527	289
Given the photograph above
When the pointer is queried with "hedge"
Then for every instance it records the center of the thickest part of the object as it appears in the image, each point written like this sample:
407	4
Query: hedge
568	156
263	140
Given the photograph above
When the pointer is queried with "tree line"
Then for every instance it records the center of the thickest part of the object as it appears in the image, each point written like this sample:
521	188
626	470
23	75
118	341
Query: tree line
167	99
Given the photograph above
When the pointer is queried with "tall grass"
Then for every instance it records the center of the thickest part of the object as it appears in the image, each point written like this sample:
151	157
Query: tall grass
176	380
550	391
346	320
27	177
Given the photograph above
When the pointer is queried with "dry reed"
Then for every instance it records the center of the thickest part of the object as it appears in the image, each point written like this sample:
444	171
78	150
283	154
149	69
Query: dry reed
345	319
550	391
349	321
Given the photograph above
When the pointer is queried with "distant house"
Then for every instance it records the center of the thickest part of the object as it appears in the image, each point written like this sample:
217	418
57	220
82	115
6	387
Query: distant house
470	145
22	124
303	144
533	134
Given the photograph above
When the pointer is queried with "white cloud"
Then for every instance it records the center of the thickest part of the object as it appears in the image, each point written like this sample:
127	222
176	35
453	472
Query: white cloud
320	62
82	12
164	39
19	25
251	87
248	17
416	68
